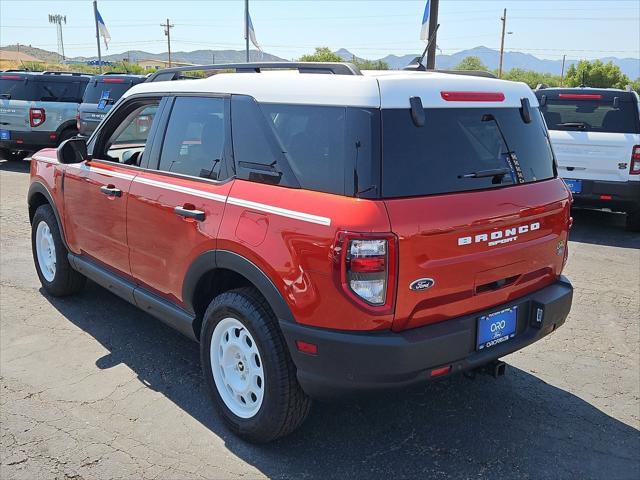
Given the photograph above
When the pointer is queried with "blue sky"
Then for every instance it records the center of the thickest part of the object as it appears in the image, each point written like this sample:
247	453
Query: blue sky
371	29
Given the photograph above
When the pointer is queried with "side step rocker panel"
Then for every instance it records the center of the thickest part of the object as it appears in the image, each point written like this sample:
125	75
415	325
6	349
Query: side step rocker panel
165	311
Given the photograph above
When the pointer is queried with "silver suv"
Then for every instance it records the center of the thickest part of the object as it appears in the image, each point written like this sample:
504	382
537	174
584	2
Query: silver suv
38	109
101	93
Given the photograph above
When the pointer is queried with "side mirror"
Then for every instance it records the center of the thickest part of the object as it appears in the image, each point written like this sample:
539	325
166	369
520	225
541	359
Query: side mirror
73	150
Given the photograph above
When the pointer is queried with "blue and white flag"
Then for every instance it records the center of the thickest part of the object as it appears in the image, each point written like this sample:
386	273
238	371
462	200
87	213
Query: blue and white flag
252	33
102	28
424	31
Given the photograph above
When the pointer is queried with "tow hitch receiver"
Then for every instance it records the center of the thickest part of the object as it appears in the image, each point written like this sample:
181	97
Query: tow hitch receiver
496	368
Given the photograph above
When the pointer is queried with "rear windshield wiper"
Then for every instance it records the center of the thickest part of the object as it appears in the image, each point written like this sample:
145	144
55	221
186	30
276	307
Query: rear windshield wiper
494	172
580	125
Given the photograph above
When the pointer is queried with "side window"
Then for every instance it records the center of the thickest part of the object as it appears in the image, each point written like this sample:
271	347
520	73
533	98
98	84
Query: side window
257	153
195	137
127	139
314	139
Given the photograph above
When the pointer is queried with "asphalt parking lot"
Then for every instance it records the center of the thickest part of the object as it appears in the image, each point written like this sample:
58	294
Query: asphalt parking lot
91	387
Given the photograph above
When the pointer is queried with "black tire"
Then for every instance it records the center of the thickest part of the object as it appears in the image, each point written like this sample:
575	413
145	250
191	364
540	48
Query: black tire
284	406
67	134
66	280
633	221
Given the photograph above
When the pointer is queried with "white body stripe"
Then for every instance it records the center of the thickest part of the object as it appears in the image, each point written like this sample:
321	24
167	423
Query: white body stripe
283	212
181	189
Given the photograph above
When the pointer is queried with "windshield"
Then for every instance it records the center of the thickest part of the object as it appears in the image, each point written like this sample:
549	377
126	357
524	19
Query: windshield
98	90
460	149
591	116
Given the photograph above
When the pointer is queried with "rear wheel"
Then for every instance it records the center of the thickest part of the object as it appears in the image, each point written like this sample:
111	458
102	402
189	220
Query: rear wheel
248	369
67	134
50	255
633	221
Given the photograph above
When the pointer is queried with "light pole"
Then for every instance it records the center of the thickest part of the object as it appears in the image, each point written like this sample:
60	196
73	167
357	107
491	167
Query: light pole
503	18
58	20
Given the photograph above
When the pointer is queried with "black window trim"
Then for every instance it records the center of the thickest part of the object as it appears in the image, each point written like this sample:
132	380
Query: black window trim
227	155
117	115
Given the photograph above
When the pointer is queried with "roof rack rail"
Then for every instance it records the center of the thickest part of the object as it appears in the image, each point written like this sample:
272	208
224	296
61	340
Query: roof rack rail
541	86
62	72
336	68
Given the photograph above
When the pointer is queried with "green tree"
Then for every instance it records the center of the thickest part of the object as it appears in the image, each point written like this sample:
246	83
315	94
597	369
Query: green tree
471	63
364	64
322	54
531	77
636	85
596	74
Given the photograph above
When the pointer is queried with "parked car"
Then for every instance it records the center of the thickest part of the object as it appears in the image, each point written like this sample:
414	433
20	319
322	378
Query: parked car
38	109
102	92
318	234
595	133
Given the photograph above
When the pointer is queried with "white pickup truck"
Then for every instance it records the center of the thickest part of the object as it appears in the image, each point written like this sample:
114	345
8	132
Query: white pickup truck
595	133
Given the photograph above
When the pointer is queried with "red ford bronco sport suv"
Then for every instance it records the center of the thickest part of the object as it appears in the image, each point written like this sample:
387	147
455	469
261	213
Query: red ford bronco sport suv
318	230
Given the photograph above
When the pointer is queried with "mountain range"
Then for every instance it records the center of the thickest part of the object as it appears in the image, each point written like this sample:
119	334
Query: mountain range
488	56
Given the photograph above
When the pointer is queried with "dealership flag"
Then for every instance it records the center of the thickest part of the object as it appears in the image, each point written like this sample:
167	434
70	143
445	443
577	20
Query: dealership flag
424	31
252	32
103	29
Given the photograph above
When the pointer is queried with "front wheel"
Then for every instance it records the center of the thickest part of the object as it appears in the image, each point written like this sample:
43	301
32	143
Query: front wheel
633	221
248	369
50	255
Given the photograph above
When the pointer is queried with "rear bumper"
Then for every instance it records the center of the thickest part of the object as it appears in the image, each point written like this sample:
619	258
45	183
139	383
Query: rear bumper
30	141
350	362
625	196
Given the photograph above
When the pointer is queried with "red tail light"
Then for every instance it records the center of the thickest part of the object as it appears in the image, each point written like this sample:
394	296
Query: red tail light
580	96
472	96
10	77
113	80
365	266
37	116
634	169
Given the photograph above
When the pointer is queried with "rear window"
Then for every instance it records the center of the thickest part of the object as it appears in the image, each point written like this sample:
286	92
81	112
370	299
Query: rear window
111	89
461	149
591	116
41	89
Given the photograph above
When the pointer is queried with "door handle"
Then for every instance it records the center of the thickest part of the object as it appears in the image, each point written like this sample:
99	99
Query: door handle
189	213
111	191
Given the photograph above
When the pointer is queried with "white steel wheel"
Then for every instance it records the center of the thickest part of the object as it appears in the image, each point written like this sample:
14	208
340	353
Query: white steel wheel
46	251
237	368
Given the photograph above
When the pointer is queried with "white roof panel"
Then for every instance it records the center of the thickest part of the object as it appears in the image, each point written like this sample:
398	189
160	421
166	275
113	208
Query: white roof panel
373	89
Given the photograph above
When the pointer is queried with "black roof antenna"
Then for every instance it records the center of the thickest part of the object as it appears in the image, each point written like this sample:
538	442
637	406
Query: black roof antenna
416	63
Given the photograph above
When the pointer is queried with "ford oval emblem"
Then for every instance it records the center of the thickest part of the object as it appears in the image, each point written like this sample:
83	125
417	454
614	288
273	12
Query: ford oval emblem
422	284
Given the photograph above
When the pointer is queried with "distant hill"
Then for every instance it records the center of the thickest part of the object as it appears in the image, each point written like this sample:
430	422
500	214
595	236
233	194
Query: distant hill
198	57
38	53
490	57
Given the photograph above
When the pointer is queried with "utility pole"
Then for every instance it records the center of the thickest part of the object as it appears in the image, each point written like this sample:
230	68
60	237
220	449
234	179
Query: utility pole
167	32
433	23
504	25
246	28
213	58
58	20
562	72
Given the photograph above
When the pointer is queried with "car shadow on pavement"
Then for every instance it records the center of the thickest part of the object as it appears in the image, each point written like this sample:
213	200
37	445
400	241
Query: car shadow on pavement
517	426
600	227
20	166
